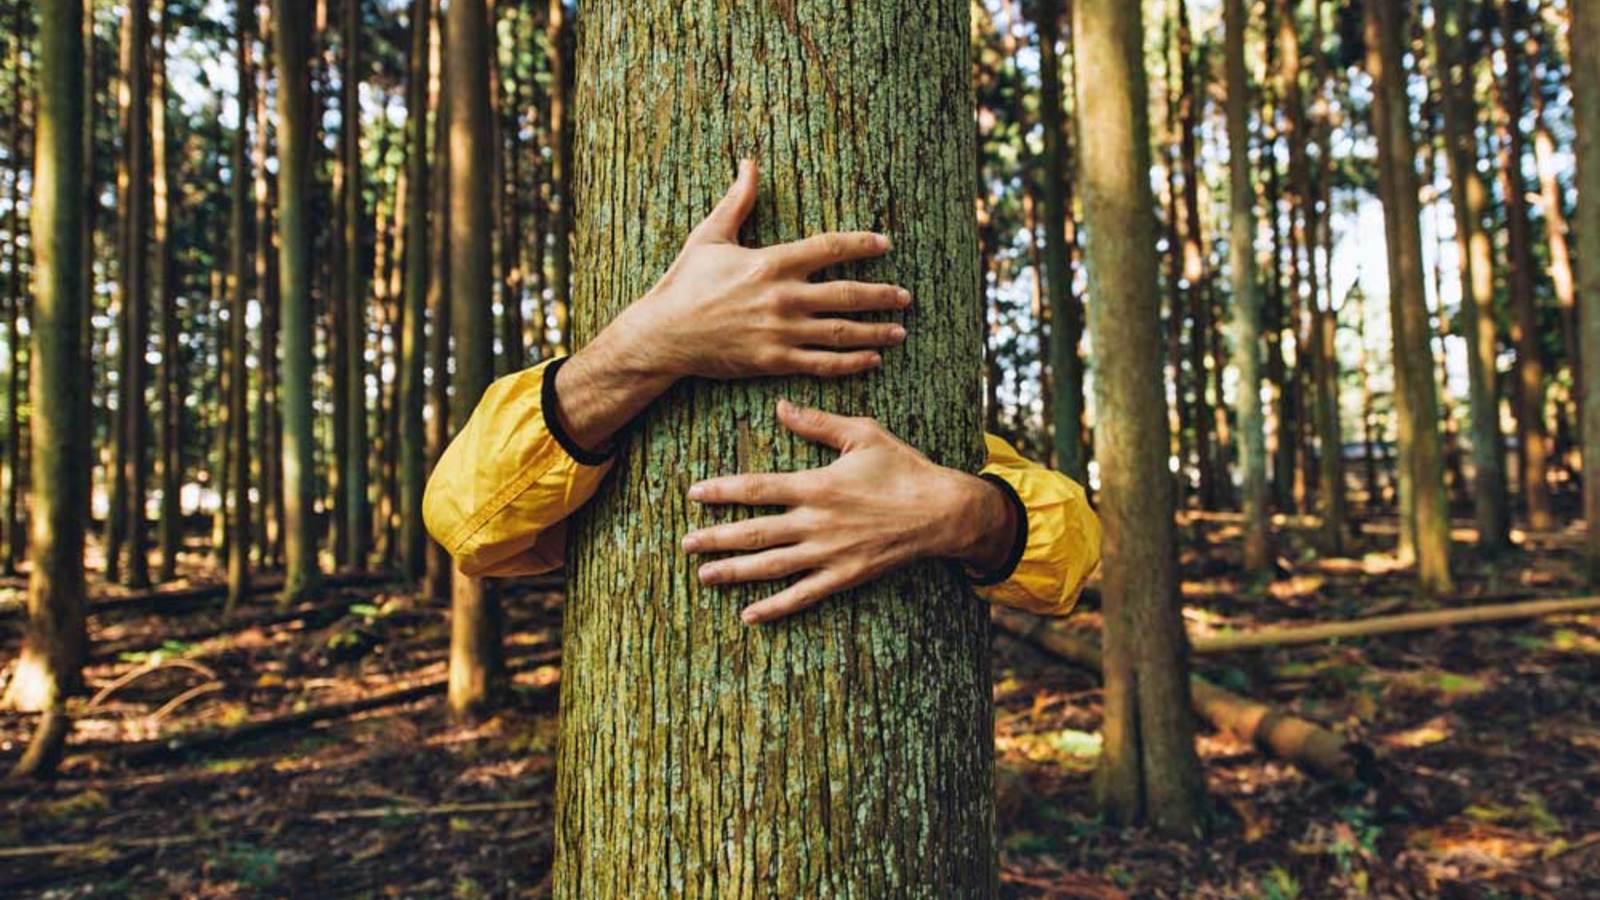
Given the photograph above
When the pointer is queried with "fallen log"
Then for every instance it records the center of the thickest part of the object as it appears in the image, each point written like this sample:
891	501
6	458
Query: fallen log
1290	635
1286	736
200	741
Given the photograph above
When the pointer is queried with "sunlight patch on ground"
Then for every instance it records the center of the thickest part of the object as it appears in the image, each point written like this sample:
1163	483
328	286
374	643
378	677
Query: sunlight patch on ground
1066	747
1433	731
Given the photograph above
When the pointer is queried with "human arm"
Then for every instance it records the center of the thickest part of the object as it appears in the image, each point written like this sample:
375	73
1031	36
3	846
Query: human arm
1026	535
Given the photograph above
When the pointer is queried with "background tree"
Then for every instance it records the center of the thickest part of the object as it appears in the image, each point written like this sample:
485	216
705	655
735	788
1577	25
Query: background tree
1148	769
240	241
413	332
1586	115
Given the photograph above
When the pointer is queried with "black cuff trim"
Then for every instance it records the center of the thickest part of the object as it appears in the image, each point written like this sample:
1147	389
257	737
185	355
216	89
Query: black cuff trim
1018	546
552	421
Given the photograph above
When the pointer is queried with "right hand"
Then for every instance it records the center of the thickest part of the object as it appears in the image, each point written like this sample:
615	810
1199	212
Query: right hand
725	311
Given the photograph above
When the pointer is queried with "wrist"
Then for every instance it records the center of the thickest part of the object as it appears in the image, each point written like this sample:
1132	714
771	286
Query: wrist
977	522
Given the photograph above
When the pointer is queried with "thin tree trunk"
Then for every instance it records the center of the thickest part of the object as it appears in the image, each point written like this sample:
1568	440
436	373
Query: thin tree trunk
240	240
512	354
293	43
1586	114
137	296
1331	491
439	566
168	389
56	642
1469	196
413	335
117	512
357	510
1148	769
559	29
1413	350
269	536
1258	555
1196	278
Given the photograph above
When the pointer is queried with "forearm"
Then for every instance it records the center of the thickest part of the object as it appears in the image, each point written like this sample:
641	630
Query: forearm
602	387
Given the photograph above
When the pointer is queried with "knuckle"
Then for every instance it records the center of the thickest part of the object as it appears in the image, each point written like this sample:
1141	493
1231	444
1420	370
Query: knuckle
833	245
838	333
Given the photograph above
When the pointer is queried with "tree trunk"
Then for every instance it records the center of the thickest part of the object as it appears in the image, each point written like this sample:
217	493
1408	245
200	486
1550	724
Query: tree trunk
1148	769
240	240
559	29
413	335
56	641
269	437
169	381
1528	376
293	43
137	295
1469	196
1066	312
1252	442
117	508
1586	115
475	651
1195	277
15	287
1413	349
357	513
512	353
1555	221
807	758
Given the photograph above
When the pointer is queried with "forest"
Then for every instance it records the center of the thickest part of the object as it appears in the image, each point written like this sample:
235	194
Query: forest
1299	291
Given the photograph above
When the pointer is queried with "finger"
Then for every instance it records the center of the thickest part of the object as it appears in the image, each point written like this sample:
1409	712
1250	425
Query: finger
806	592
748	490
759	533
850	296
722	225
829	364
846	334
764	566
836	431
832	248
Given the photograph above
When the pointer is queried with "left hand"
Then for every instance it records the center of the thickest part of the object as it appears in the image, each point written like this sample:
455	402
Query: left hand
879	506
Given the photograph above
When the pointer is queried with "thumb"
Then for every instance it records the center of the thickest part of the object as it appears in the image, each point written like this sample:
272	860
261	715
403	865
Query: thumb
722	225
838	432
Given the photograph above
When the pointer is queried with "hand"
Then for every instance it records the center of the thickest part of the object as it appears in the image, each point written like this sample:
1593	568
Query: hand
726	311
877	507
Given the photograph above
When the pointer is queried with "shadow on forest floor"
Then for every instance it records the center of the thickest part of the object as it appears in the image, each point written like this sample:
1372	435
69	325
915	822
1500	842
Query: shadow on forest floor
1488	739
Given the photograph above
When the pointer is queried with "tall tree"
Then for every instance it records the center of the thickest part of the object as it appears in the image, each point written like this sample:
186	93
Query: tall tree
1148	768
413	318
1421	456
353	481
1066	314
1528	374
1586	115
439	567
1196	278
753	801
168	379
240	268
1251	429
16	289
559	29
136	293
56	641
269	418
1469	196
117	512
293	45
475	651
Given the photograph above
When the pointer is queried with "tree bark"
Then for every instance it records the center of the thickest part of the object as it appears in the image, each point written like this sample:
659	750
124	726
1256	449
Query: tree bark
168	390
1413	349
1469	196
475	651
1528	375
293	43
240	240
1586	115
413	335
56	641
1251	430
1148	769
353	484
137	295
700	757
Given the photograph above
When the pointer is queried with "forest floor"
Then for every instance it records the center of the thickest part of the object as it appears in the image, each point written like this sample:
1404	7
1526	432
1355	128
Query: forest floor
1487	739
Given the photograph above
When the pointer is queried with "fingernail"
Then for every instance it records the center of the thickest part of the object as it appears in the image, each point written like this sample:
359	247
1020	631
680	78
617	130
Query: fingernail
883	242
697	492
905	297
708	574
749	617
691	543
784	406
897	333
877	361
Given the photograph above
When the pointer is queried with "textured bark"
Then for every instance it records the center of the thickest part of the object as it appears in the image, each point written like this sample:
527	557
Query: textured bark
1528	374
1066	311
475	651
413	463
293	43
1586	115
699	757
1148	769
1423	459
240	240
353	483
1251	430
56	642
1469	196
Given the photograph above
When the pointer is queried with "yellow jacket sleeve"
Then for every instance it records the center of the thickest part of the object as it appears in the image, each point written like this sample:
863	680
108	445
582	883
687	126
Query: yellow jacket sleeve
500	495
1058	547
